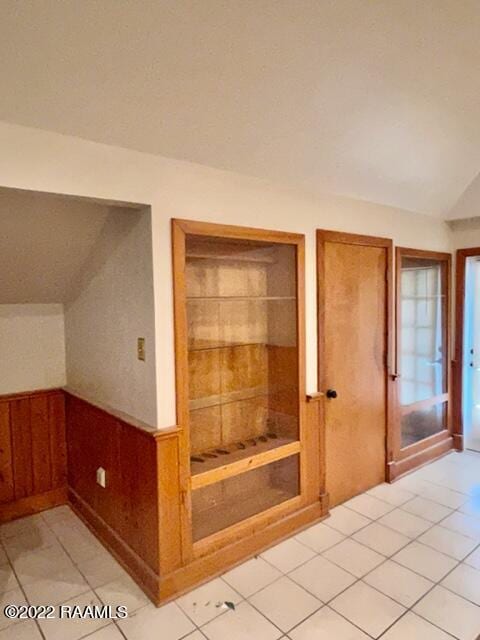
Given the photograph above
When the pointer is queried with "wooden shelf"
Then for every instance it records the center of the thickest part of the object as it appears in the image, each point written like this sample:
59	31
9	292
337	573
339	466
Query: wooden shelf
227	345
240	460
230	258
238	298
230	250
238	396
436	296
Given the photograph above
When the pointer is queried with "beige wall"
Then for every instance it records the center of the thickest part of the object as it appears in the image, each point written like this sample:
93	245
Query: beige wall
110	306
33	159
32	347
465	233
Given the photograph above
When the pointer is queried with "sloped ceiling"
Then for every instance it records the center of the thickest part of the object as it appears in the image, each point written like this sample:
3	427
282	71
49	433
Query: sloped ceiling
44	242
371	99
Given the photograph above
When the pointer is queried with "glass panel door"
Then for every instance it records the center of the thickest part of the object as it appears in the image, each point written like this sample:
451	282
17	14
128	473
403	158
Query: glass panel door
471	355
243	383
422	347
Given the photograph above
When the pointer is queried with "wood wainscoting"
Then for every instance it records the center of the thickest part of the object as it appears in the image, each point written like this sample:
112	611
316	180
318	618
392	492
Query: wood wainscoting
32	453
138	515
125	514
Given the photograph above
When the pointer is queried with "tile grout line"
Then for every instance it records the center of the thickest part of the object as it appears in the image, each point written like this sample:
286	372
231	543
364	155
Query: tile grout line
20	585
415	539
287	574
350	536
357	579
414	495
91	588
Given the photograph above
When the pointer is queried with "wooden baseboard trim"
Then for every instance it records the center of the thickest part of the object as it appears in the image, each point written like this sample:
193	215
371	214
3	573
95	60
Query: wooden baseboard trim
216	563
458	442
325	503
399	468
33	504
137	568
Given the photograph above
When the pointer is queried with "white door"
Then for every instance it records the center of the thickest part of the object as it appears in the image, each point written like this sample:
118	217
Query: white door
471	387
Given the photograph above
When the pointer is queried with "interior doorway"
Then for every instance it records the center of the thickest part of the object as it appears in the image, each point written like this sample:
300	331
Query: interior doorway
354	296
470	348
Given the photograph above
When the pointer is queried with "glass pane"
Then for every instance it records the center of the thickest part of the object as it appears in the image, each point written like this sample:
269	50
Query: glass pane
422	340
220	505
424	423
422	357
242	339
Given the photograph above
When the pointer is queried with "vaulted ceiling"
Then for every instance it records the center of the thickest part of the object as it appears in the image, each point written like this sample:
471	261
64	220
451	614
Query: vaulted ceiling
378	100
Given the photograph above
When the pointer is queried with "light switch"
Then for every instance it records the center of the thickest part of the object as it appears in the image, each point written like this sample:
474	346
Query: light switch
141	348
101	477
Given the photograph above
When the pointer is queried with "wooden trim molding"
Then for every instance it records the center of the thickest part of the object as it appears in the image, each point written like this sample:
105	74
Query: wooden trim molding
33	504
198	228
424	404
457	363
421	457
18	395
353	238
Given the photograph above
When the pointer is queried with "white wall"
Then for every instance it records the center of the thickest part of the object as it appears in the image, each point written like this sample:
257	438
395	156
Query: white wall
32	347
34	159
44	240
110	306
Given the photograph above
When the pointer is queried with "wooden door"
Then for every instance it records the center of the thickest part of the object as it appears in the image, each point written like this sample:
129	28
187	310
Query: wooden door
354	314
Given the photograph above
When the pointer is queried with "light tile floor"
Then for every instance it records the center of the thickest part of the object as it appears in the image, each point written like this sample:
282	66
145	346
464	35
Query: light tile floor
400	562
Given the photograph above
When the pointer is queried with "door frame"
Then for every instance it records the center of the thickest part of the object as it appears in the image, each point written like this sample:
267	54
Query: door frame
340	237
432	447
457	362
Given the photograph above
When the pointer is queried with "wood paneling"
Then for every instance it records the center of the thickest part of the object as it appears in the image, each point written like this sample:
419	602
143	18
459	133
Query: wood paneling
128	505
58	444
22	447
40	438
141	572
7	489
32	452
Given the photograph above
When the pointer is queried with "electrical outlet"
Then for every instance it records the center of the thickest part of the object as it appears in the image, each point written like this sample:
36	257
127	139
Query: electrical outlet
101	477
141	348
